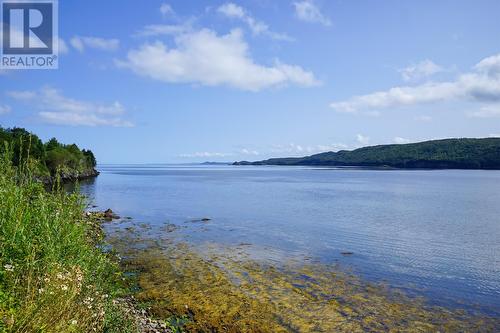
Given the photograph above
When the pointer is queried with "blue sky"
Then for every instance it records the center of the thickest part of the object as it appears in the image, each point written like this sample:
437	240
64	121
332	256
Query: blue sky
189	81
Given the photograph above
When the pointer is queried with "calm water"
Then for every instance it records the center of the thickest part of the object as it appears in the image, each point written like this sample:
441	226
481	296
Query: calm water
436	233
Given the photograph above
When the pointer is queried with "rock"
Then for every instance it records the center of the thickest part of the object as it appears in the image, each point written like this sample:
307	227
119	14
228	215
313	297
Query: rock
110	215
204	219
145	322
170	227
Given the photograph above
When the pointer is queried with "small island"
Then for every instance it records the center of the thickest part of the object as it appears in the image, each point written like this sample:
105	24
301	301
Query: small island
460	153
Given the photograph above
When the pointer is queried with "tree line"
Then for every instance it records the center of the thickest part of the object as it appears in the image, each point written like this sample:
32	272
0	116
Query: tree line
48	157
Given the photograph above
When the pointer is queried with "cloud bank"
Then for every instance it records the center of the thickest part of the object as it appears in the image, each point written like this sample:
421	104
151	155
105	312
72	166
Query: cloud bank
206	58
54	108
481	85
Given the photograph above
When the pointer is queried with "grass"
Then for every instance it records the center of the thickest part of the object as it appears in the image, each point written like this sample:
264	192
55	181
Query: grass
53	275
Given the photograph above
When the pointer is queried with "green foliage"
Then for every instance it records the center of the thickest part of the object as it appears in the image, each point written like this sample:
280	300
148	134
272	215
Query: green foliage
49	157
53	275
438	154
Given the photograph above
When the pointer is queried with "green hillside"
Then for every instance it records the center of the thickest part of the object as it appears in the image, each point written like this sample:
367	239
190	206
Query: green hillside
49	158
435	154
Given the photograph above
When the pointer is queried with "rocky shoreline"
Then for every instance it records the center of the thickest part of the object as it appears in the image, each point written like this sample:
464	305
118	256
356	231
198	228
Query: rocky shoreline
66	176
143	319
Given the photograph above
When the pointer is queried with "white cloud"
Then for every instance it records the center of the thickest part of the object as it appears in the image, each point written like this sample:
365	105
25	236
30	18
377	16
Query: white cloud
77	43
399	96
232	10
80	43
208	154
497	135
331	147
294	149
163	29
245	151
481	85
361	139
489	66
166	9
420	70
25	95
78	119
205	154
308	11
400	140
63	47
58	109
490	111
209	59
4	109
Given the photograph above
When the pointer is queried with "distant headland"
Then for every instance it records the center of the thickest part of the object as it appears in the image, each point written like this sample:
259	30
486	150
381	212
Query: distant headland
462	153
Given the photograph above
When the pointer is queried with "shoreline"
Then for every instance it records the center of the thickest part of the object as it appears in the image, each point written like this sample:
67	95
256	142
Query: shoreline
145	260
69	177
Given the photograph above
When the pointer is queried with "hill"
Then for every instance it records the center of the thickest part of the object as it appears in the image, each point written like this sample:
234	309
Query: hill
50	158
435	154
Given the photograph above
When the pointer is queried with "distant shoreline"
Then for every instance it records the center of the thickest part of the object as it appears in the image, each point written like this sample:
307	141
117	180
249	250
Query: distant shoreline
462	154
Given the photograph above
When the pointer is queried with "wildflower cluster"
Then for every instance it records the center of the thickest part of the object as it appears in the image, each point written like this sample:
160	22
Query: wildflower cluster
62	281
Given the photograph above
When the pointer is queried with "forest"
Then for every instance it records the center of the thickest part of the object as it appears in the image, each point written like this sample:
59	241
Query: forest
460	153
47	159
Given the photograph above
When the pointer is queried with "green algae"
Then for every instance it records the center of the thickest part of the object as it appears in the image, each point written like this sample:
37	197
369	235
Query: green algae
222	289
215	288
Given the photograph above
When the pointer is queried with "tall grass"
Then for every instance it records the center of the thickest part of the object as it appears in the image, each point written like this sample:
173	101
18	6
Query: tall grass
53	275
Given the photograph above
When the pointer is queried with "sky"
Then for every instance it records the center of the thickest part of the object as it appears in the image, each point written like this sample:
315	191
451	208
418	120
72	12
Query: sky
192	81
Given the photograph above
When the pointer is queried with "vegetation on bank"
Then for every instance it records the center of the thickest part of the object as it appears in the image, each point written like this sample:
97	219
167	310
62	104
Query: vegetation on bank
49	158
435	154
54	277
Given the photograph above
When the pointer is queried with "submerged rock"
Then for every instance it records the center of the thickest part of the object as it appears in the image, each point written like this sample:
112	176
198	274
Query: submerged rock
203	219
110	215
107	215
